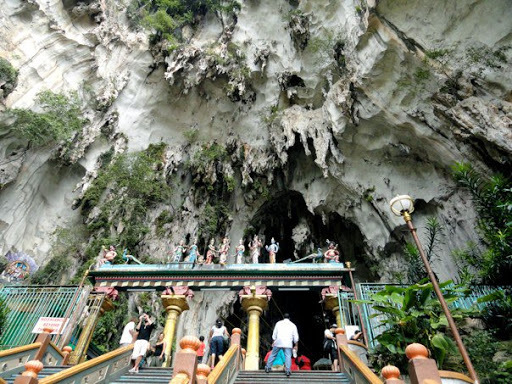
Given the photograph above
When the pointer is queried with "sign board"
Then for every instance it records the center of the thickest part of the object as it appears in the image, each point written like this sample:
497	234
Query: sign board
55	323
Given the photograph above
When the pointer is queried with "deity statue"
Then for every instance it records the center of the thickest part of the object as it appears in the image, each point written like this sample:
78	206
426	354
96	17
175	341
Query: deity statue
255	246
332	254
211	253
223	251
108	256
240	249
272	250
192	253
179	251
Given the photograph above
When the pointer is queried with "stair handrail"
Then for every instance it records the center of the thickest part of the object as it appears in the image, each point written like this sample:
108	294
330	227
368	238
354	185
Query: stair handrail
229	365
14	359
350	363
121	355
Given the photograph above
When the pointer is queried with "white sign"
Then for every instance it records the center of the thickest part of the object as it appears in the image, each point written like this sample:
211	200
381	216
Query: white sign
55	323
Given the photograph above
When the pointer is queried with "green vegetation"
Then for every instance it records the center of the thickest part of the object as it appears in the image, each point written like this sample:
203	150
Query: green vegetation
123	192
168	17
492	197
191	135
110	326
66	245
4	311
487	56
165	217
436	54
60	118
422	74
413	314
368	194
415	268
8	77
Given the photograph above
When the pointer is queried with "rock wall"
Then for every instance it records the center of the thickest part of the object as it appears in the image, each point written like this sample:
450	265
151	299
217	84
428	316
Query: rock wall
338	105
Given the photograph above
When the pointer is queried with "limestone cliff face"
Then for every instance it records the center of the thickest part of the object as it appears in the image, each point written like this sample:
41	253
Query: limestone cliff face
325	110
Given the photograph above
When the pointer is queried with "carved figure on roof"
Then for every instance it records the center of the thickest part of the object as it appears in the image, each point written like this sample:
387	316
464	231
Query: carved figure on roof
179	251
332	254
255	246
211	253
110	292
240	249
192	253
333	290
223	251
108	256
272	250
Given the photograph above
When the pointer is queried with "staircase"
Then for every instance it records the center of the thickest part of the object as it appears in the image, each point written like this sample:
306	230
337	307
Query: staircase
146	376
47	371
297	377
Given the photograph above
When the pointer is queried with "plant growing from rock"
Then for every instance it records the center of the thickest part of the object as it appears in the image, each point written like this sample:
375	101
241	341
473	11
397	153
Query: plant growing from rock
8	78
60	117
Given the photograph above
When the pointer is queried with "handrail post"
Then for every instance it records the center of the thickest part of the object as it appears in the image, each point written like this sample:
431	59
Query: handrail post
32	369
66	351
186	359
420	367
44	338
341	339
391	375
202	372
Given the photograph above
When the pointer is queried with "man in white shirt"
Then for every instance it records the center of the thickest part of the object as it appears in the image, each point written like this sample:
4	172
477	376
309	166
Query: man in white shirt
128	332
285	338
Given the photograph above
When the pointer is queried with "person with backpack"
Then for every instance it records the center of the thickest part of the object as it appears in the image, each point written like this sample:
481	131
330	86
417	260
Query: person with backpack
330	346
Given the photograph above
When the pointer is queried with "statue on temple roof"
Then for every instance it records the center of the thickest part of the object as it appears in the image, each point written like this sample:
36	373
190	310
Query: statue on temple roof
192	253
179	251
332	255
108	256
211	253
255	246
240	249
272	250
223	251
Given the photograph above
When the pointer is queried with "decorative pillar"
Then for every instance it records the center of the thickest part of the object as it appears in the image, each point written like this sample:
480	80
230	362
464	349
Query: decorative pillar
29	376
186	360
202	372
254	301
175	302
80	352
332	303
421	368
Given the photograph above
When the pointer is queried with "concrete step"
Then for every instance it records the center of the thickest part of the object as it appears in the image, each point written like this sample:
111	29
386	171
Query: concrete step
146	376
255	377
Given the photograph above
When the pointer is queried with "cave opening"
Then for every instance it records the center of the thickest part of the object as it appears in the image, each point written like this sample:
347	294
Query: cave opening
306	312
299	232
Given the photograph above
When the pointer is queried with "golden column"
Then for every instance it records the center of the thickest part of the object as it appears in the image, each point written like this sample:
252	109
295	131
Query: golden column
254	301
97	309
174	305
331	302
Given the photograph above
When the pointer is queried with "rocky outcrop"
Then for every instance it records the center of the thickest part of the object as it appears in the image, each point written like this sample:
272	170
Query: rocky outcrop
334	106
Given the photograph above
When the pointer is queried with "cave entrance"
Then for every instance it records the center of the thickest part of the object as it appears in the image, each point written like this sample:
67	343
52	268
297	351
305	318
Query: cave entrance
300	232
306	312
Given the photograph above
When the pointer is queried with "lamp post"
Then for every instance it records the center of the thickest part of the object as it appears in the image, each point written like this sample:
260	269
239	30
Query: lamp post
403	205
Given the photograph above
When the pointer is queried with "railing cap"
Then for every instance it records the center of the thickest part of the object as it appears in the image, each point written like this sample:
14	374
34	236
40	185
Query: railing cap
416	351
237	331
390	372
339	330
32	368
203	370
190	342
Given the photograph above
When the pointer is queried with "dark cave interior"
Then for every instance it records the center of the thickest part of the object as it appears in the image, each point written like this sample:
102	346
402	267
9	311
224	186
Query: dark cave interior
306	312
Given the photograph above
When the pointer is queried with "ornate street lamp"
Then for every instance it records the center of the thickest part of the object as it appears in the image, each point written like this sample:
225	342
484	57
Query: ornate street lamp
403	205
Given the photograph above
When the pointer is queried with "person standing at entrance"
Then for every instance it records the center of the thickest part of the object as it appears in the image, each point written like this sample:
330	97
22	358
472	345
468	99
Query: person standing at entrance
330	346
145	327
285	338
